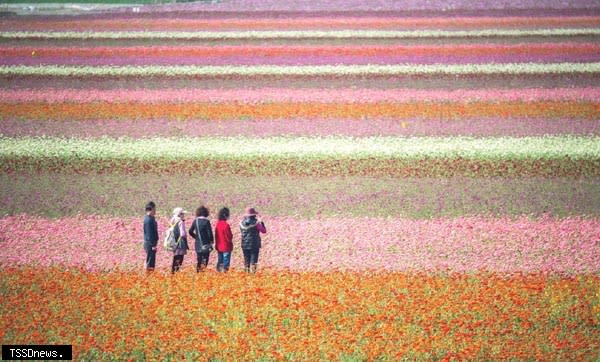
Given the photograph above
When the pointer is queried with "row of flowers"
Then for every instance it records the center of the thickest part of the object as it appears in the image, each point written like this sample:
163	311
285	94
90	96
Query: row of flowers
472	50
300	34
144	128
311	166
464	245
341	21
306	70
391	81
217	111
443	6
274	8
301	316
318	95
59	194
241	148
293	60
565	156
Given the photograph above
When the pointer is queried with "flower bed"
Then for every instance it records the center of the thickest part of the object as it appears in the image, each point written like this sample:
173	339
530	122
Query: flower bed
428	173
282	315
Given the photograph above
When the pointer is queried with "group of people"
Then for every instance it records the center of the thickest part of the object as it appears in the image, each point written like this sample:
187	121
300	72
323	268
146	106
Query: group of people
201	231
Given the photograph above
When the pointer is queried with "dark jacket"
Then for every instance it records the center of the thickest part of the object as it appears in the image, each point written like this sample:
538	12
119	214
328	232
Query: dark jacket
150	232
204	235
183	244
249	228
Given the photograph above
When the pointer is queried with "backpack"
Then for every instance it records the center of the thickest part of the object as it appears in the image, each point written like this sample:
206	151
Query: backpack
171	240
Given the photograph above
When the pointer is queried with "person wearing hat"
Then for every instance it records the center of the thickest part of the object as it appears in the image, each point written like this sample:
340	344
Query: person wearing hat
251	227
150	236
181	236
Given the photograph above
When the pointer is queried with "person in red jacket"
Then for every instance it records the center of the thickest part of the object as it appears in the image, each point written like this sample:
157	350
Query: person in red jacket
223	241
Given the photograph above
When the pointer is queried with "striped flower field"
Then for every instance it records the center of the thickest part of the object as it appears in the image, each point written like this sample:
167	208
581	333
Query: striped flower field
428	172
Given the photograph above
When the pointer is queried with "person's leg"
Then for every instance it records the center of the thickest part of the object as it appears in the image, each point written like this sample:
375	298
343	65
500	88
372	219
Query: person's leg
177	262
205	258
219	261
226	261
247	256
202	261
174	264
254	260
198	262
202	257
150	259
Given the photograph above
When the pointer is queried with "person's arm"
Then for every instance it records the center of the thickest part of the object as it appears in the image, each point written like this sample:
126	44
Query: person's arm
211	237
177	232
229	233
147	234
260	226
216	234
192	230
182	230
155	234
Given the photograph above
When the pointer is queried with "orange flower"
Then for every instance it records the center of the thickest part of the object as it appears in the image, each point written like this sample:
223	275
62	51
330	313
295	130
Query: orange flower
133	316
227	111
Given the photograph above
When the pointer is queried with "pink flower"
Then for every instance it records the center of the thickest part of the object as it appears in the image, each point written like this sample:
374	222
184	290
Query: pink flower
465	244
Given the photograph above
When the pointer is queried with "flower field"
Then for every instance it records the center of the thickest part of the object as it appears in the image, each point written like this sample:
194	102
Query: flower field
428	172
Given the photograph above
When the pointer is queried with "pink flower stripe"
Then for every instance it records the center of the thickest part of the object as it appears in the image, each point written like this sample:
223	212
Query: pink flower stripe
296	95
307	60
468	244
341	22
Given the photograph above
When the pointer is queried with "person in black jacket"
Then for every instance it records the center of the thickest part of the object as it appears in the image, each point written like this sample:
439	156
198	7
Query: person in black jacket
251	227
150	236
201	230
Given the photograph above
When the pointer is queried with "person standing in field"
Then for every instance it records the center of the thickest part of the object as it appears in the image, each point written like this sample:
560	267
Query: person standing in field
223	241
150	236
201	230
181	249
251	227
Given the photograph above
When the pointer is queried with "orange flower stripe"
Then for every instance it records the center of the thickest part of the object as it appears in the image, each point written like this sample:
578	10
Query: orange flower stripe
232	110
303	23
299	51
481	316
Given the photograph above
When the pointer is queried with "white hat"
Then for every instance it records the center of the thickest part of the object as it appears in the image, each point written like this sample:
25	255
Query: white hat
178	211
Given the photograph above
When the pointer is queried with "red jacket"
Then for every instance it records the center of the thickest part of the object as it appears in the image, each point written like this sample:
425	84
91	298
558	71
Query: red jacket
223	237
